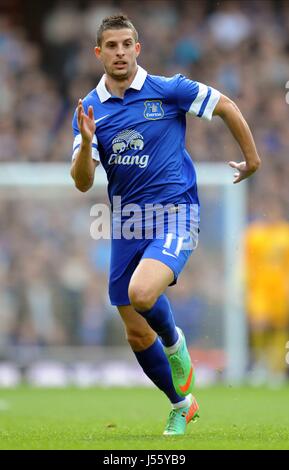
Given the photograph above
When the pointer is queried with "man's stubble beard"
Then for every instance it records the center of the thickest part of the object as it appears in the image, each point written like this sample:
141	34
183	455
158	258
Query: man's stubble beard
119	78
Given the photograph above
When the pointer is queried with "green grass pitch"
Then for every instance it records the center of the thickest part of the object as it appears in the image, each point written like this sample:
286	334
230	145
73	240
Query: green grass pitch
231	418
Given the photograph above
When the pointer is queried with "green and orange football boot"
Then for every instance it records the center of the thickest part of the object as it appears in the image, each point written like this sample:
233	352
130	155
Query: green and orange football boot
183	374
180	417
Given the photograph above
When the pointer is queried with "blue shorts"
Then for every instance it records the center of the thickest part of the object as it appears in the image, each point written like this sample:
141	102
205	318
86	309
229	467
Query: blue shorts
172	246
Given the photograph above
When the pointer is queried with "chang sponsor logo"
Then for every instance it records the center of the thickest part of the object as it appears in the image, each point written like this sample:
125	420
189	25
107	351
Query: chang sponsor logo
128	140
138	160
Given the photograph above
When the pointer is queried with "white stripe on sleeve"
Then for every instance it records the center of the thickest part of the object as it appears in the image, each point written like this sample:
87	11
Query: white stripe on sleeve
204	105
76	145
197	103
212	103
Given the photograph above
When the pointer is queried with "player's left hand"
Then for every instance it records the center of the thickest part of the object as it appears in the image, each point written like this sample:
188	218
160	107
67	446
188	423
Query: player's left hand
244	171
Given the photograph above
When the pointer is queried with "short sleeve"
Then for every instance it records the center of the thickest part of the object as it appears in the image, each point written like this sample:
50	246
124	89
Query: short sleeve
77	139
196	98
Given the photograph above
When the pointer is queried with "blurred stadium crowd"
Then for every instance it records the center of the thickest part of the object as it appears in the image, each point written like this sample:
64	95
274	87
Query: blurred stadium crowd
239	47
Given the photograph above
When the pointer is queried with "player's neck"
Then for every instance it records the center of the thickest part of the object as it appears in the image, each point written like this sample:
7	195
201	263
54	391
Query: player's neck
119	87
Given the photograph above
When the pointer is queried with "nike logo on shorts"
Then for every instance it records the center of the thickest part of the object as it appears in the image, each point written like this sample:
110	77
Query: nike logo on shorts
165	252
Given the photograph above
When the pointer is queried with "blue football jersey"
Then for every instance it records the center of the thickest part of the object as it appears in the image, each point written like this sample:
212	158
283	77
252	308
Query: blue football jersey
140	139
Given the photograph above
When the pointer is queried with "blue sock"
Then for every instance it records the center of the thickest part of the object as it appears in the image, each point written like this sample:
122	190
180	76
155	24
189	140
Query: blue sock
161	320
155	365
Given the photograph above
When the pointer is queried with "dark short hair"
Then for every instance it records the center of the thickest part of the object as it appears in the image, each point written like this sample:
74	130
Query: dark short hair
115	22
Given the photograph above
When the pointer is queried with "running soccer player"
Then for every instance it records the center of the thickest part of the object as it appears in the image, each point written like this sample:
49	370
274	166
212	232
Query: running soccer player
134	124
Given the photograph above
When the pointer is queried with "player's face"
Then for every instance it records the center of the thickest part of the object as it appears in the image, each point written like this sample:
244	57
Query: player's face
118	53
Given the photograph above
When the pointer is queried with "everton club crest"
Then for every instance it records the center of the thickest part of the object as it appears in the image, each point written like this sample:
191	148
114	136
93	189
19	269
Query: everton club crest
153	109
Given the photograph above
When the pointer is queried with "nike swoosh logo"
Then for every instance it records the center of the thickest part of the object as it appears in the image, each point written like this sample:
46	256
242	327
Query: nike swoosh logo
100	119
165	252
185	387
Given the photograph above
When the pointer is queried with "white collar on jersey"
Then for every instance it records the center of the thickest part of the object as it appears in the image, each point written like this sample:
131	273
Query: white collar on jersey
137	84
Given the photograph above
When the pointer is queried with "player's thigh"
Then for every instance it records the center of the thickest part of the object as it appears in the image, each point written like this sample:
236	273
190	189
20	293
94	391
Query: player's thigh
163	260
149	281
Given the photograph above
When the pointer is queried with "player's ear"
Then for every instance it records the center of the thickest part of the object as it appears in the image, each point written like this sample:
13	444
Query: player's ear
97	51
137	48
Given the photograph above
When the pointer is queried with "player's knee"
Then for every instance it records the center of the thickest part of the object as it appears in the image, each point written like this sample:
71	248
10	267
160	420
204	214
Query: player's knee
141	298
140	340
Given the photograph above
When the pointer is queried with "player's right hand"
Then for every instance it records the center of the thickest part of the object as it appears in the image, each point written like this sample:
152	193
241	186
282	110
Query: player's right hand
86	124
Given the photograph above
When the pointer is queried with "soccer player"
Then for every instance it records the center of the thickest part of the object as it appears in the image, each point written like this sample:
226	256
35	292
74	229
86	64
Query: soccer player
134	124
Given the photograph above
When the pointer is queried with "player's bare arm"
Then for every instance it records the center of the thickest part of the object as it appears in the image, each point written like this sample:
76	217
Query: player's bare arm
238	126
83	167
